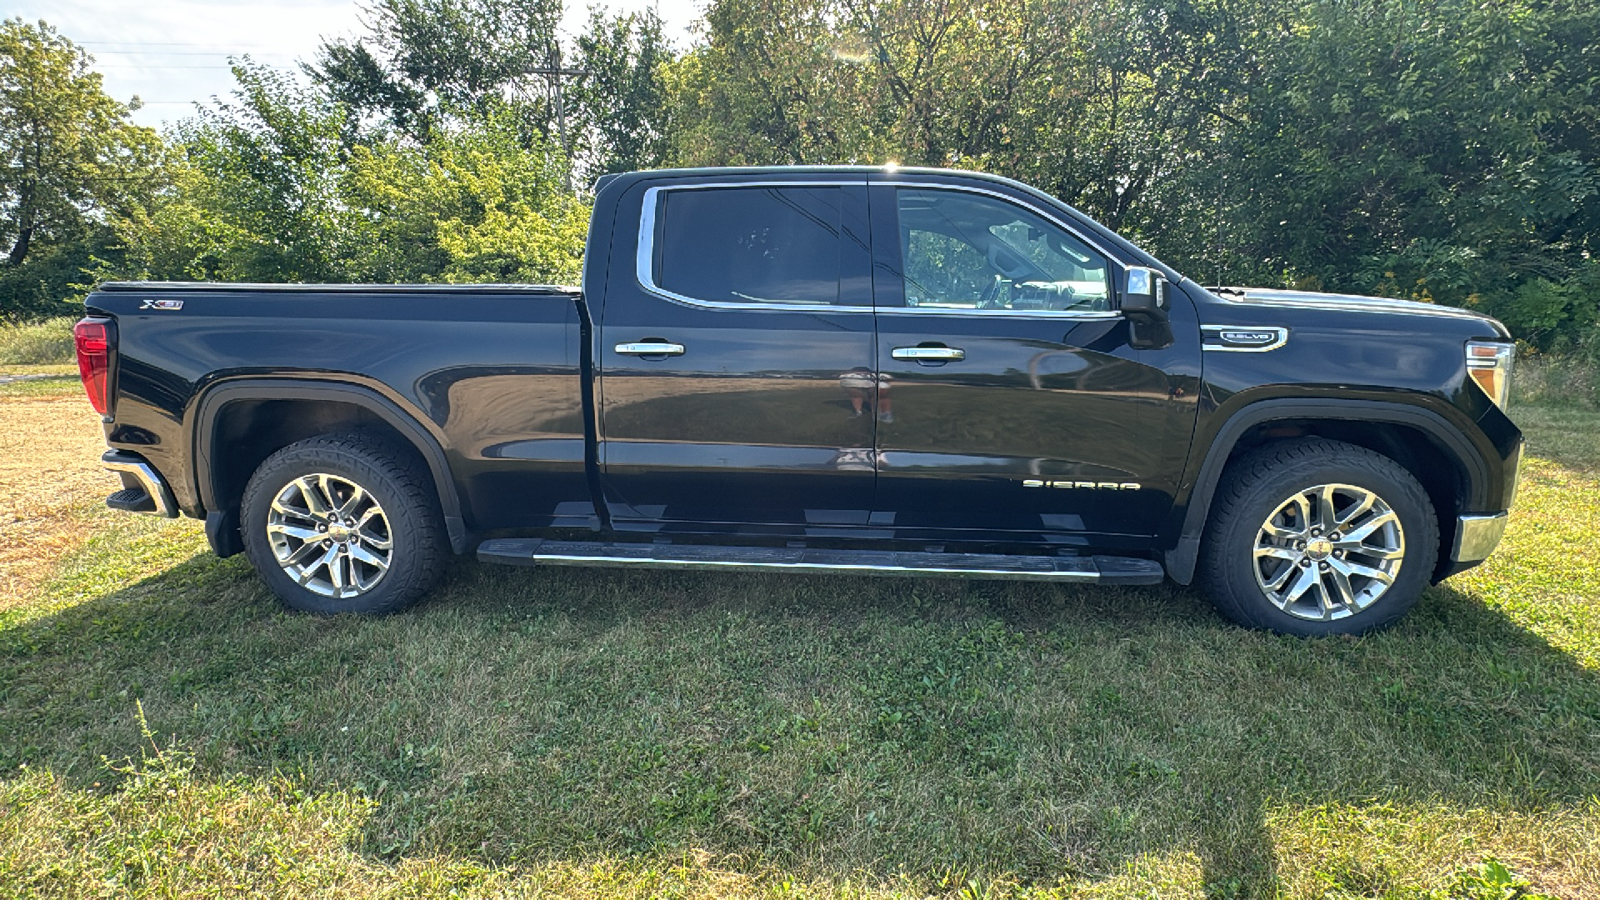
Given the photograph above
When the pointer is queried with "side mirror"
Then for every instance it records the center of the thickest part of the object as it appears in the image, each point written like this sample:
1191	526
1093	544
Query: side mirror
1145	306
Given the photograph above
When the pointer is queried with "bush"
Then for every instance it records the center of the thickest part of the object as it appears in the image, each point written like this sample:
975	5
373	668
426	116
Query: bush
1570	377
41	343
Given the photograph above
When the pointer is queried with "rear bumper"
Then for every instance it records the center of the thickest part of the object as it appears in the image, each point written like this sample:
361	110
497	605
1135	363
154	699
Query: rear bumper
1477	536
142	488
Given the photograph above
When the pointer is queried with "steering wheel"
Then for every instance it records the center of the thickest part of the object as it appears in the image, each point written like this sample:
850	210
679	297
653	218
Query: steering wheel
991	296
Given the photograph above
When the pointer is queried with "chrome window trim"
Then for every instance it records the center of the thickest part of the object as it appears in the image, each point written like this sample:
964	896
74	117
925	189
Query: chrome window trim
644	253
1004	313
1216	331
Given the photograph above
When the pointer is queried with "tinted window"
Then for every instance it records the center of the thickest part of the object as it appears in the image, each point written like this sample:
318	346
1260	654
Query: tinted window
968	251
750	245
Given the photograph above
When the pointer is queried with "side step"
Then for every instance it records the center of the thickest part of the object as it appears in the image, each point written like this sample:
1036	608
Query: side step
1090	569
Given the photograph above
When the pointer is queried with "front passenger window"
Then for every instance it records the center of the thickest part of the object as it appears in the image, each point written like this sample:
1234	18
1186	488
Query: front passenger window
969	251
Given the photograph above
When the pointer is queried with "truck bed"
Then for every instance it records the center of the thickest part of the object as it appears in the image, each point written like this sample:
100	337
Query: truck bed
492	370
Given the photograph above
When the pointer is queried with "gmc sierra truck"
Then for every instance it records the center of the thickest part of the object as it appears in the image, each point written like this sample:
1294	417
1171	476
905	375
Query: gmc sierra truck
842	369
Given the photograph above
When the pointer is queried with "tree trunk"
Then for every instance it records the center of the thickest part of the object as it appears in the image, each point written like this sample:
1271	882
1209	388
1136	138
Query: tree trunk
19	250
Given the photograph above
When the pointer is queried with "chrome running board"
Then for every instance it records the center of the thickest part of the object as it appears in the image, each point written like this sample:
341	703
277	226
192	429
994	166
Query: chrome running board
1083	569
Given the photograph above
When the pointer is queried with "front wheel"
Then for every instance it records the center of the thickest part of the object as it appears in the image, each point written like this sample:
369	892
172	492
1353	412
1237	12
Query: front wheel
1318	537
342	523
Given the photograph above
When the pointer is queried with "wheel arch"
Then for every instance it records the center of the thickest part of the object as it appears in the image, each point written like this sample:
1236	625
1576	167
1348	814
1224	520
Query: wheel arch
1453	472
228	410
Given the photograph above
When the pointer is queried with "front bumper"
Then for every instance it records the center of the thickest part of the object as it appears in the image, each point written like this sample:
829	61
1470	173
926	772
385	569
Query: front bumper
1477	536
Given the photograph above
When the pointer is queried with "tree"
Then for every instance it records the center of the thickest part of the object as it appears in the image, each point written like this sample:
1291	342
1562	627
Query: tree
1443	151
622	108
68	158
425	63
271	190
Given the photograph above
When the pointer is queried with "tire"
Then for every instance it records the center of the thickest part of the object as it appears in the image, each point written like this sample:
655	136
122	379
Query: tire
380	557
1270	560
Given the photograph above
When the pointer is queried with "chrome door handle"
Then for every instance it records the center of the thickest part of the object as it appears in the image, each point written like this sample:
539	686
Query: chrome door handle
929	354
650	348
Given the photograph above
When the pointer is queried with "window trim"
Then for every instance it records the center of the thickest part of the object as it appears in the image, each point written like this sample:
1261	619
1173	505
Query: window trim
1113	265
644	255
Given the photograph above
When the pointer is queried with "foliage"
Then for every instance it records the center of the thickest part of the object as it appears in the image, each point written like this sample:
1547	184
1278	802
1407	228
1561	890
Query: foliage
425	63
1442	151
68	158
1566	377
622	107
271	191
431	64
38	343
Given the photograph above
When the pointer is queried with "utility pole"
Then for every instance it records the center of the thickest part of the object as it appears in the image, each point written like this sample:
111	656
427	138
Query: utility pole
555	73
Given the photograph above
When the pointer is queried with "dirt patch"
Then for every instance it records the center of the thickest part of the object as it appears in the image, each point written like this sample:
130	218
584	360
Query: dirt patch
51	485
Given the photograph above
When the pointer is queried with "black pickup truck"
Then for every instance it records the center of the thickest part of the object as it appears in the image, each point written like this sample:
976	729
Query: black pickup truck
884	371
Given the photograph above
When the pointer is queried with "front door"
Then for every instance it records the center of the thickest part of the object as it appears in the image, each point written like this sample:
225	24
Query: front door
1010	404
736	358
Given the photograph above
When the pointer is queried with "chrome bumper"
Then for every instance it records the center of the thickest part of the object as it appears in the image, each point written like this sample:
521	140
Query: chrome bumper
148	479
1477	536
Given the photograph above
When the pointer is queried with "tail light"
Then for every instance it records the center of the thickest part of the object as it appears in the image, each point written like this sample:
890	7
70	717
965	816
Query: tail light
92	338
1489	364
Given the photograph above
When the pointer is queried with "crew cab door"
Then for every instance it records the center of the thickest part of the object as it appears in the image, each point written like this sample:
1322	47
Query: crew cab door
1011	404
735	317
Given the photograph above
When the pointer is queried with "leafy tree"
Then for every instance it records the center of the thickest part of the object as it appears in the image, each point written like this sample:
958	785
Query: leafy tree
1444	151
621	105
424	63
68	157
271	191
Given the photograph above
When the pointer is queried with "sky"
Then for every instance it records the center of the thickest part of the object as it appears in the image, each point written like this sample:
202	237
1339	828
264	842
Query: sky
173	53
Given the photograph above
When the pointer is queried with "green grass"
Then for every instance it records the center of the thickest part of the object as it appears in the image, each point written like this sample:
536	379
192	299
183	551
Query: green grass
51	385
598	733
39	343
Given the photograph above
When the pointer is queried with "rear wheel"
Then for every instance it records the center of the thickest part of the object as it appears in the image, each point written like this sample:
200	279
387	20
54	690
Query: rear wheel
1318	537
342	523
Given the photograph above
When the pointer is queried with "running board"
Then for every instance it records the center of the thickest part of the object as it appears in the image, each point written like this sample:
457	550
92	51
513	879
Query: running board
1086	569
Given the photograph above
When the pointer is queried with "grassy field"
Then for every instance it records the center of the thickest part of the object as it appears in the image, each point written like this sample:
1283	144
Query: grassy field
166	730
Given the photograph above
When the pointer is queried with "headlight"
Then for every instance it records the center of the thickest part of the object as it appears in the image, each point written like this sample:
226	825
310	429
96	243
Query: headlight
1489	364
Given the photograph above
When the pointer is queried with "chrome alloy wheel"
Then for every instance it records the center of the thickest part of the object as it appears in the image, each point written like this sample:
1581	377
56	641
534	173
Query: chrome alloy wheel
1329	552
330	535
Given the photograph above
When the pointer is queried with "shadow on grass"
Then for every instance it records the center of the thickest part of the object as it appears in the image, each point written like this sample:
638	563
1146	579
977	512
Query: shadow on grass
939	729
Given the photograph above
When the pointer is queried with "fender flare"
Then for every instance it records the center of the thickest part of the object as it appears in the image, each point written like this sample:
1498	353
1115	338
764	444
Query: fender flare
219	523
1180	561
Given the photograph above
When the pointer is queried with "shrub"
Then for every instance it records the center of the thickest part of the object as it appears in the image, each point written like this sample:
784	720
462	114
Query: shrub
40	343
1567	377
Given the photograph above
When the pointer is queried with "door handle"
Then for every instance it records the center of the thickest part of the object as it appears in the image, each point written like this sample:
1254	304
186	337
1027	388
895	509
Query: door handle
650	348
929	354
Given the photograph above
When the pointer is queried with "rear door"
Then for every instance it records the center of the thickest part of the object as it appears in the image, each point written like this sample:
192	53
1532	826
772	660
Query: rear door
736	356
1011	406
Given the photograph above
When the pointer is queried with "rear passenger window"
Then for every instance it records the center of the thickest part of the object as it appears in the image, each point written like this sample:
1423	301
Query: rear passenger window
749	244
